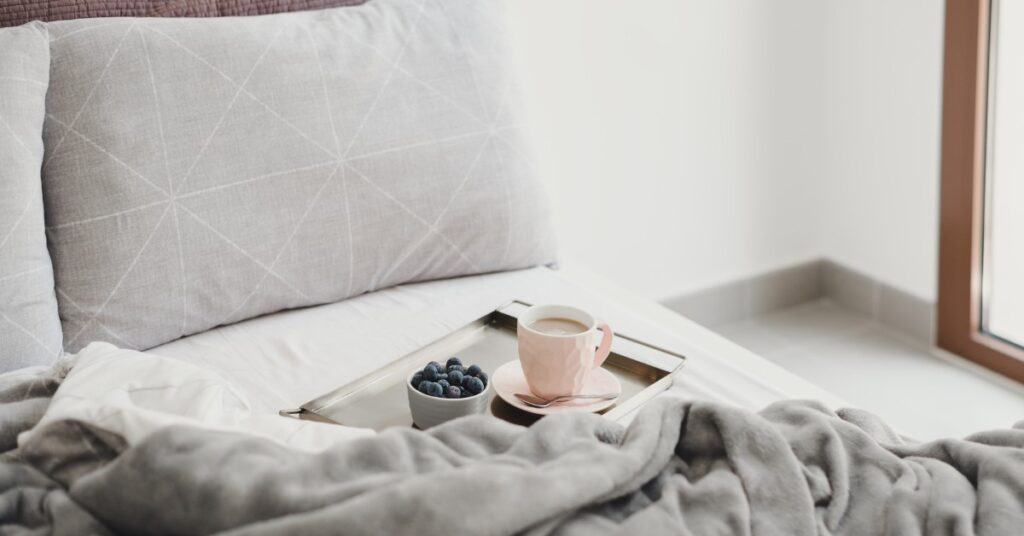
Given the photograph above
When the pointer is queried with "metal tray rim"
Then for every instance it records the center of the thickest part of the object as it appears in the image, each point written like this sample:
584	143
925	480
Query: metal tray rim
314	406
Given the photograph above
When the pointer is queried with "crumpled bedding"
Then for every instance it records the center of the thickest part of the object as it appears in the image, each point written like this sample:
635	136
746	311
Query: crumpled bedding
133	394
680	467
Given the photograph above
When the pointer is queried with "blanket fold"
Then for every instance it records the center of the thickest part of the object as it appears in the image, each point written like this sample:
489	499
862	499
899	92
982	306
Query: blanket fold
680	467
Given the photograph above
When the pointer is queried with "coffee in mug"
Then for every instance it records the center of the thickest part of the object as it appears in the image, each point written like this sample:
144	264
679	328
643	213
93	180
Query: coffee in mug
558	347
558	326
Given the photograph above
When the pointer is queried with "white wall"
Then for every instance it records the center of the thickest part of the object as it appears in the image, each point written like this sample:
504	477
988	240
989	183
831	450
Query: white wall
650	118
688	142
880	175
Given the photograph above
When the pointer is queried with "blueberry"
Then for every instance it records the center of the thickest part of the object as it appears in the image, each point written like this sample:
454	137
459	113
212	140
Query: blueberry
453	368
444	384
416	379
473	370
455	377
473	385
483	377
434	389
453	392
436	365
442	376
452	361
430	374
422	387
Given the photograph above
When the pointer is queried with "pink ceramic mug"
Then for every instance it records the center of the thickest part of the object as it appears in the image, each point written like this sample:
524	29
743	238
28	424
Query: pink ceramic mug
558	362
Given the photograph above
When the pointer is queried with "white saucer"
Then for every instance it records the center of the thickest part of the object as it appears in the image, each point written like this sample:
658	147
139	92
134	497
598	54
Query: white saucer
509	380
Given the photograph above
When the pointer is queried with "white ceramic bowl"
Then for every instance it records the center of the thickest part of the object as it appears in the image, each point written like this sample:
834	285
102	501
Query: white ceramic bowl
430	411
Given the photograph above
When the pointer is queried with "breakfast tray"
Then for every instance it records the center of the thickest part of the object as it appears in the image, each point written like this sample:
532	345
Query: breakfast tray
379	400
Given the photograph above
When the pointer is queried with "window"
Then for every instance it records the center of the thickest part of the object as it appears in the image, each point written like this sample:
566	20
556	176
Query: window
981	258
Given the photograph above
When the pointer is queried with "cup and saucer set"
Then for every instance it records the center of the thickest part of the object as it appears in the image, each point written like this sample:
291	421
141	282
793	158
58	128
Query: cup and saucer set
561	350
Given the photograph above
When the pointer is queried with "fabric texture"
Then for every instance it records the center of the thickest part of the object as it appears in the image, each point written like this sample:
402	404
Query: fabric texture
25	395
793	469
18	12
31	500
204	171
231	8
133	395
29	325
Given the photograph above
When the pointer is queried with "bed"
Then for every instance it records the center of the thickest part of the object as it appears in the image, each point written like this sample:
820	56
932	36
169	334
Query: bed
206	221
282	360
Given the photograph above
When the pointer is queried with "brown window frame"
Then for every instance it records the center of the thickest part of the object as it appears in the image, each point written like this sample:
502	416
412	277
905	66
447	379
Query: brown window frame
961	223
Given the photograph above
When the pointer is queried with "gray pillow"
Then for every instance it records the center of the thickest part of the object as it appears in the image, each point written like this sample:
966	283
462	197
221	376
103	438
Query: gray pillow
29	327
204	171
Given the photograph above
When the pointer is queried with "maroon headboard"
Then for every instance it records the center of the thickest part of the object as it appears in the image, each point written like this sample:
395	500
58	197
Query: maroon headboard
17	12
231	8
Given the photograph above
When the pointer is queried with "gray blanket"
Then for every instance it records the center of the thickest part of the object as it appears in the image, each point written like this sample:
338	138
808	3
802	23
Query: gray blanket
679	468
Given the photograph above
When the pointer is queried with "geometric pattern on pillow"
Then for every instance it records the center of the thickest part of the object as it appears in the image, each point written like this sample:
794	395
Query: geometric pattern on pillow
204	171
29	327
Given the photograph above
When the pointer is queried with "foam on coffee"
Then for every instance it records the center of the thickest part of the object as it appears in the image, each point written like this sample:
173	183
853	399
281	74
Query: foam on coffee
558	326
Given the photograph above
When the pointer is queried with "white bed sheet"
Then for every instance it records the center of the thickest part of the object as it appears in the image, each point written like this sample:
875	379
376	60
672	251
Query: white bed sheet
285	359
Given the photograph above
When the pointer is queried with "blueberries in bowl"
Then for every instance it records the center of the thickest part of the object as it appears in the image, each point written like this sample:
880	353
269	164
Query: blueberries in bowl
472	385
434	389
452	380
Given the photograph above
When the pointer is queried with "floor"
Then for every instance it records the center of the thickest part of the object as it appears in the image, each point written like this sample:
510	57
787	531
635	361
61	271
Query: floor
919	391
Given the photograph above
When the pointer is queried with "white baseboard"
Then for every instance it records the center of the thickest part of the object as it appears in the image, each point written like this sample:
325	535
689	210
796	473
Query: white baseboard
777	289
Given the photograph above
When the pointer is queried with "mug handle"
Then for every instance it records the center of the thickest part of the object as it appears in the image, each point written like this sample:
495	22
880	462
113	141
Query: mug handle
605	347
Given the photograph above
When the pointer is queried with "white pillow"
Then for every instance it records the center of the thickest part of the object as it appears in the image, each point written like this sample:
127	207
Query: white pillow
29	327
204	171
